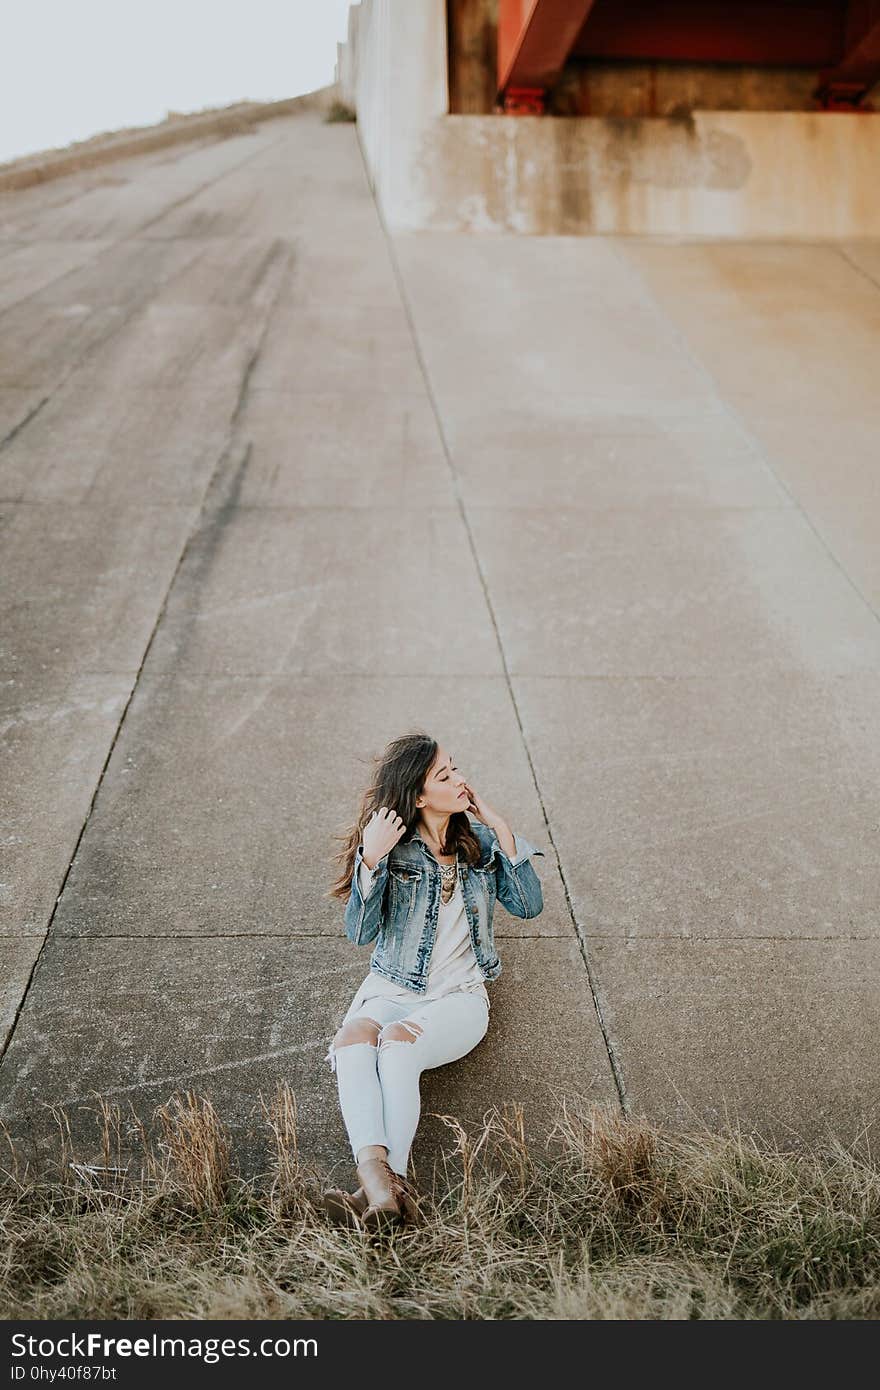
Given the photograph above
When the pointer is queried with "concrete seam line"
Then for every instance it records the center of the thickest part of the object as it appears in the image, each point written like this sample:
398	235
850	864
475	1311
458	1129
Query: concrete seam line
610	1043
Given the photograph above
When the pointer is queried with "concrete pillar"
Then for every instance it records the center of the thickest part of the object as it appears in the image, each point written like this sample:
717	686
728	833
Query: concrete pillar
401	87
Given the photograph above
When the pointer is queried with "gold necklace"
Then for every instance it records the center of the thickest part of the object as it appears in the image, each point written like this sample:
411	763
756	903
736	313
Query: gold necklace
447	881
447	873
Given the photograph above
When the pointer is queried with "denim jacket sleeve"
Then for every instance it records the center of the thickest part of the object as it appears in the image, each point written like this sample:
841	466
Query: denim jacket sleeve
362	918
519	888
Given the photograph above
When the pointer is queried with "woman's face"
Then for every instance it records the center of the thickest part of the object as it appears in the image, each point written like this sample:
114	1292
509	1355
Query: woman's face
443	791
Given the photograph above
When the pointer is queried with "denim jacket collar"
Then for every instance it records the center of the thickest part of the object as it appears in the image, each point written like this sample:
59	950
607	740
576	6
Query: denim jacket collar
489	844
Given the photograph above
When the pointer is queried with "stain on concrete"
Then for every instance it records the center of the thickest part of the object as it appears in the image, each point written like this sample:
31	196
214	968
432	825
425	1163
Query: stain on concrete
729	164
540	175
671	152
558	175
572	193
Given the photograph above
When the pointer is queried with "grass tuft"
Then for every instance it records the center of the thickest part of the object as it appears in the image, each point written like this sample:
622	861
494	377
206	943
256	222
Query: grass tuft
339	111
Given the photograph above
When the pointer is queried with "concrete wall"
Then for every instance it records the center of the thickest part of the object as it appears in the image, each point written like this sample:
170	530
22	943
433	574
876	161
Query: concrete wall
716	173
346	61
400	90
702	173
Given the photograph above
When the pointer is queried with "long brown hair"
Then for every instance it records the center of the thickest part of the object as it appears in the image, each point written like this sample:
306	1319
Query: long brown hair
399	774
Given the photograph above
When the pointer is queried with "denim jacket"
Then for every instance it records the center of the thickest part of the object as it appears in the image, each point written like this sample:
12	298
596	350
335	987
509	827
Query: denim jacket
403	902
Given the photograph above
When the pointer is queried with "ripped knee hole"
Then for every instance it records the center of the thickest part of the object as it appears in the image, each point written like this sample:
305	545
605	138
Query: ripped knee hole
404	1031
362	1031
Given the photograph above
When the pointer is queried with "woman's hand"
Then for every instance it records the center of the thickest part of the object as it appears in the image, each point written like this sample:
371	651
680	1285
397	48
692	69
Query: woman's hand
484	812
480	808
381	833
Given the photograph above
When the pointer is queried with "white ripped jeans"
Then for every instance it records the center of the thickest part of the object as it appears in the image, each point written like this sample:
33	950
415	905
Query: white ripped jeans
379	1085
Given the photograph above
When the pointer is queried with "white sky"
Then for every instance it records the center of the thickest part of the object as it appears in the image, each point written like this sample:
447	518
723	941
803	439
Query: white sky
74	68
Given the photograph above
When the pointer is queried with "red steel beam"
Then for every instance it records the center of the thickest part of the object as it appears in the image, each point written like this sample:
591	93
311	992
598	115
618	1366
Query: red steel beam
859	68
788	33
534	39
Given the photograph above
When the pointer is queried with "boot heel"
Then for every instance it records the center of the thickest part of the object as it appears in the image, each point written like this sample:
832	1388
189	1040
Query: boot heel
378	1219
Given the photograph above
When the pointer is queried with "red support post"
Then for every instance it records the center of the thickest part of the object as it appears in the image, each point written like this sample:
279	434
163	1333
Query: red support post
525	101
535	38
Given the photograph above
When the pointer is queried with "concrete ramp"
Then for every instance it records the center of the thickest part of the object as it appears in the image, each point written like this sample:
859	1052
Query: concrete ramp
277	487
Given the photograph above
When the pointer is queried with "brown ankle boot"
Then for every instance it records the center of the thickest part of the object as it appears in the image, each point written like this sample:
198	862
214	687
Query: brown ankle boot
345	1208
379	1182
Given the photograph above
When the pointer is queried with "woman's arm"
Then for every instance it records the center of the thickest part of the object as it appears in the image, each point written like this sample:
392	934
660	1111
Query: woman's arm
363	916
519	888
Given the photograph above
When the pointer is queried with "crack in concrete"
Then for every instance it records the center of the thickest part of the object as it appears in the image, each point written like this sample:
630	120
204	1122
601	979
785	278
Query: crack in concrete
854	264
332	935
723	940
16	429
174	1080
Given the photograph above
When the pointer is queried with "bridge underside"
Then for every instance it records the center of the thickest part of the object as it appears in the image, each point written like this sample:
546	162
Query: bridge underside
530	48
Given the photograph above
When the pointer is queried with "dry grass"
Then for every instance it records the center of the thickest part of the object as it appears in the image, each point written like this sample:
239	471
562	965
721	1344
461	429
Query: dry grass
339	111
614	1219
